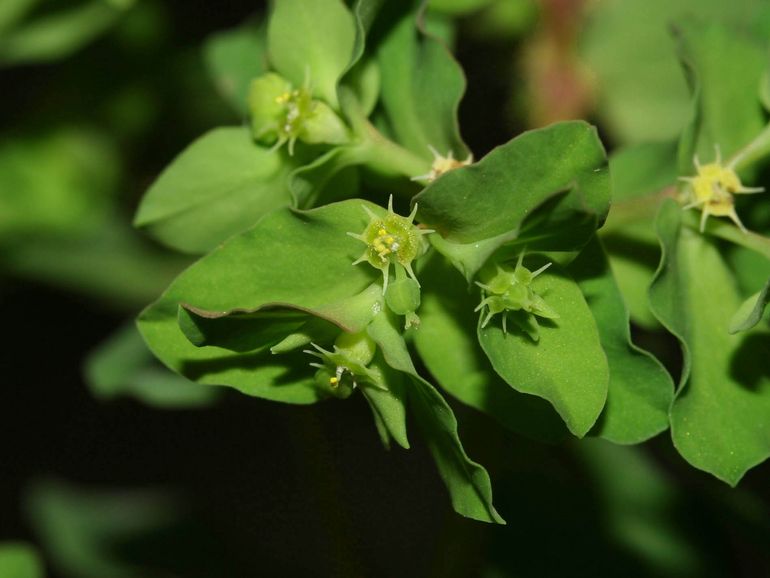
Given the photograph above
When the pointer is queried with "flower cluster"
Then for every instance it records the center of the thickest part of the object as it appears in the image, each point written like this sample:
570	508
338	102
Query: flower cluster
509	290
712	190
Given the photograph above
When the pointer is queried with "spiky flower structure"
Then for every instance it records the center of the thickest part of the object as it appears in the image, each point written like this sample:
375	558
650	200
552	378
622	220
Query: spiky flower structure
442	164
712	189
342	370
281	113
392	240
508	290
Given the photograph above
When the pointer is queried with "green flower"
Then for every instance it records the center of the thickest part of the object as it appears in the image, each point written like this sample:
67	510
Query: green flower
509	291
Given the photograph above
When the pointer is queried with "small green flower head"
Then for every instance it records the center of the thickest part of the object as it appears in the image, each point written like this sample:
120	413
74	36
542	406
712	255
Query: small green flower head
442	164
342	370
392	239
509	290
283	114
712	190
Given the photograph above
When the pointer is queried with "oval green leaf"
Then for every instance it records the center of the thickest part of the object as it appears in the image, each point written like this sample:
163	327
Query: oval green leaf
297	259
720	418
312	42
218	186
495	196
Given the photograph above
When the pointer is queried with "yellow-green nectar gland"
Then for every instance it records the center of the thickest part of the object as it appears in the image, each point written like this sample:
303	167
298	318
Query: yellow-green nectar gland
712	190
392	239
442	164
508	290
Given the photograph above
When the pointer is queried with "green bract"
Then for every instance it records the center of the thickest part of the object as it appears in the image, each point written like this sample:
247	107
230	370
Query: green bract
283	114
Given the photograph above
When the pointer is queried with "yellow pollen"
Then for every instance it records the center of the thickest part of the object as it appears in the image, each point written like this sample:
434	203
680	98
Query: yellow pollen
382	232
333	381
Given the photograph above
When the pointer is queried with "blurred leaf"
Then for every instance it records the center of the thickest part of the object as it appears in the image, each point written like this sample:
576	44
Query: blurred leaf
459	7
312	41
640	389
750	312
566	366
61	182
220	185
300	260
643	176
80	530
57	35
365	12
422	85
751	268
111	264
513	180
468	482
640	508
13	11
448	346
728	113
20	560
641	91
638	170
633	258
124	366
719	418
233	58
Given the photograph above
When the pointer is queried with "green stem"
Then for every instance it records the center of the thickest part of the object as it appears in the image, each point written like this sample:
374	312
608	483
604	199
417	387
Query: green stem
731	233
752	152
385	156
377	151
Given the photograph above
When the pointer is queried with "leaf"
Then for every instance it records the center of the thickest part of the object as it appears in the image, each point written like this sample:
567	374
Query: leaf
364	13
59	34
245	330
308	181
20	560
422	85
468	482
642	169
640	389
720	418
725	69
123	366
751	311
389	406
458	7
138	272
451	352
89	533
300	260
13	11
60	182
564	164
643	176
233	58
566	366
218	186
639	500
312	41
628	46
